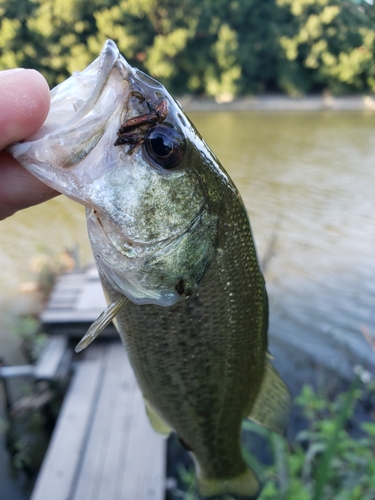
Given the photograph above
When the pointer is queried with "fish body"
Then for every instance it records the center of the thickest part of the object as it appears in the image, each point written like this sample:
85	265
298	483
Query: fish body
170	232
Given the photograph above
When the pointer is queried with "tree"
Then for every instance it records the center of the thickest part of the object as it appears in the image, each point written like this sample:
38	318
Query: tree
330	46
220	48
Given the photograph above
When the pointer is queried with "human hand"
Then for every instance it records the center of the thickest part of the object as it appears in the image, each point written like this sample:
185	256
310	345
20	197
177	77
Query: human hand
24	105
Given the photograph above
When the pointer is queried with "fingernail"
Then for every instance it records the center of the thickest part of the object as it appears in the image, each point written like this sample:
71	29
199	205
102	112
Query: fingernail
9	71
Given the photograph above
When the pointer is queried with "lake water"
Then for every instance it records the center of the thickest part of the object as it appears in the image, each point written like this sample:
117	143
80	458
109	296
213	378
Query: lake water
308	182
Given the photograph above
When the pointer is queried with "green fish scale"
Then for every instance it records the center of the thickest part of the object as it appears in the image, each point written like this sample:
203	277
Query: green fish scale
201	361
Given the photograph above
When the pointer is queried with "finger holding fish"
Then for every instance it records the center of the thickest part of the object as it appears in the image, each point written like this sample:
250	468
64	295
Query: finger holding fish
24	104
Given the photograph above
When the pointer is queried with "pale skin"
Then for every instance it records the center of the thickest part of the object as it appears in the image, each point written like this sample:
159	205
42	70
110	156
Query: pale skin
24	105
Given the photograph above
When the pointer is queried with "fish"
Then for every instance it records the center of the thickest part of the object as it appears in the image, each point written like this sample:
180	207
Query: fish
174	249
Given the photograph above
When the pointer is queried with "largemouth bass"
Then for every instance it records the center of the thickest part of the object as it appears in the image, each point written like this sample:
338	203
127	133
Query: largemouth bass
176	257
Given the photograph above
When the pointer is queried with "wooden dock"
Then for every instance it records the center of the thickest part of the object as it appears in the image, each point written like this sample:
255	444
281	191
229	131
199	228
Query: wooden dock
103	447
77	299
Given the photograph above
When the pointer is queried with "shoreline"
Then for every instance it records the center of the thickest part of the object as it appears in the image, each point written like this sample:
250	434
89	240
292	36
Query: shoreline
275	103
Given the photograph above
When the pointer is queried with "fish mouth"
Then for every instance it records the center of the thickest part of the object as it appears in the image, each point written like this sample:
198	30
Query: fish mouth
76	145
74	98
86	112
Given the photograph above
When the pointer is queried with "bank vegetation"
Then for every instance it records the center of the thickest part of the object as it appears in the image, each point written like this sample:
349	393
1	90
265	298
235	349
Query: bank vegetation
218	48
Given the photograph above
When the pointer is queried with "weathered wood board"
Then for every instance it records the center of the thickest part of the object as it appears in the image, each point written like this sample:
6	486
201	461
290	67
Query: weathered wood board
103	447
74	304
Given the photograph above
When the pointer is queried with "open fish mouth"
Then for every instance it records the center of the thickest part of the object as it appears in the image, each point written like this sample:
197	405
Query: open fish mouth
76	97
80	112
86	113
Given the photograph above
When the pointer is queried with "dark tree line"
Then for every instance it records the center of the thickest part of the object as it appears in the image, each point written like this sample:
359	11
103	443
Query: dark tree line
221	48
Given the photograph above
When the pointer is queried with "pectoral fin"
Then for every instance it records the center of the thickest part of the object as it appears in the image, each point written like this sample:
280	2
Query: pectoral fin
100	323
157	422
273	403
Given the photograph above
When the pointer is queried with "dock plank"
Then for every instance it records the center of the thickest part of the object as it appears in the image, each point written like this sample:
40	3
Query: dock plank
144	448
114	375
154	485
92	296
115	454
76	297
51	358
118	436
60	464
126	389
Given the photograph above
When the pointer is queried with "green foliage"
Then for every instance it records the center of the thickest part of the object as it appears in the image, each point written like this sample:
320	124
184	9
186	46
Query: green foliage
221	48
330	45
33	341
324	462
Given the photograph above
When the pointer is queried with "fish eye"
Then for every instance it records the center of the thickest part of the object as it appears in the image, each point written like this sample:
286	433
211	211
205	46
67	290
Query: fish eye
165	146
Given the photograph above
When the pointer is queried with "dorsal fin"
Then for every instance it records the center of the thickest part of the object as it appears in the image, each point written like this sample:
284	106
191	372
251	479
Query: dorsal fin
273	403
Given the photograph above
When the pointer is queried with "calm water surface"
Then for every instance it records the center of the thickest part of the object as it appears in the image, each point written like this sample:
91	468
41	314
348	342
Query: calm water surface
308	182
309	179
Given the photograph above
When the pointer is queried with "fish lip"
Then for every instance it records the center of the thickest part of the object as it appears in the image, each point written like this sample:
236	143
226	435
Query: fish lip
109	57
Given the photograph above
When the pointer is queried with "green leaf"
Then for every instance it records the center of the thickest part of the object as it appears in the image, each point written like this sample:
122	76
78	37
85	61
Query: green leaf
324	466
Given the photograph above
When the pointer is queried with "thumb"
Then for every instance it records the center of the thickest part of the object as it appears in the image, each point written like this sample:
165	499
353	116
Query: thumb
24	104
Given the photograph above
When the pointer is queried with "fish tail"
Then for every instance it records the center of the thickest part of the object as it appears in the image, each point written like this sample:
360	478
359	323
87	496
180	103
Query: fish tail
246	486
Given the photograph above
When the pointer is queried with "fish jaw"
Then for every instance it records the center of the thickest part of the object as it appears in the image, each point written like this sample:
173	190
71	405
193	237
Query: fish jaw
84	115
143	221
